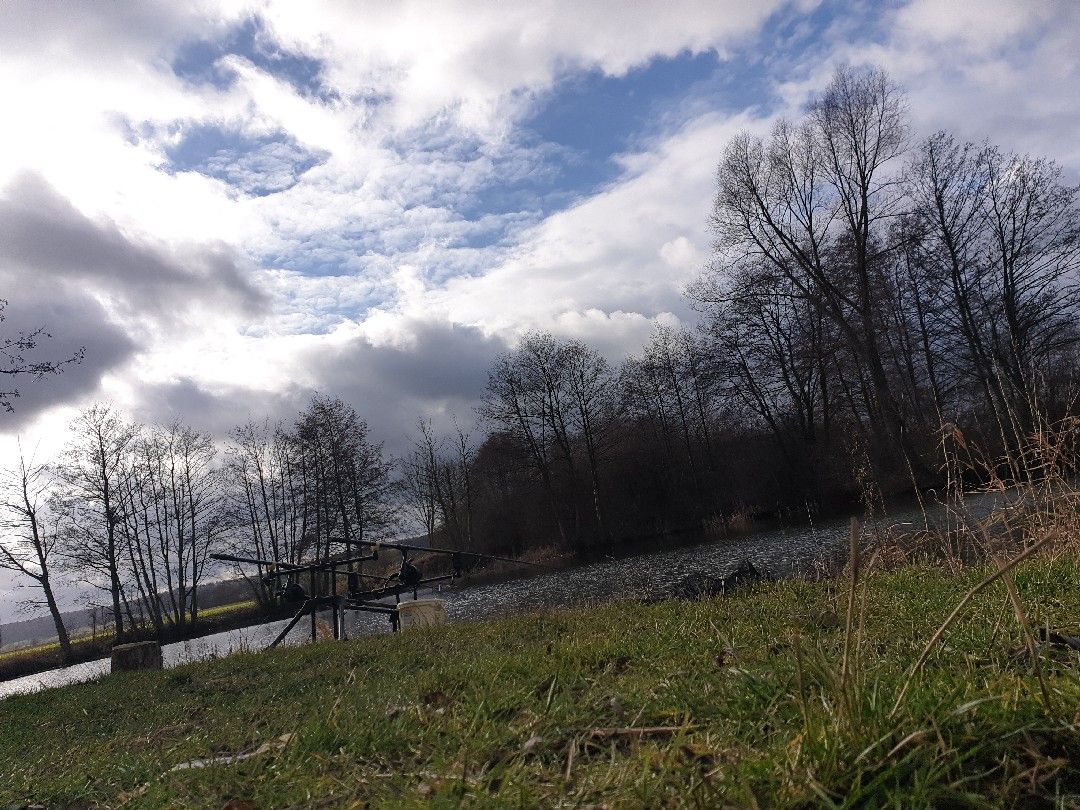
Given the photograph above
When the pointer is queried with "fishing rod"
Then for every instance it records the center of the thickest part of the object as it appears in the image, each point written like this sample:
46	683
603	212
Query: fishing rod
287	569
408	577
404	548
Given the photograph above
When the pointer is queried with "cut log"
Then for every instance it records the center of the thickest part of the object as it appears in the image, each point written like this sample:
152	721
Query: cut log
140	655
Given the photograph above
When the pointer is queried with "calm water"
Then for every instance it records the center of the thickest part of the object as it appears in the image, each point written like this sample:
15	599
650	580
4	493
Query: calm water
781	552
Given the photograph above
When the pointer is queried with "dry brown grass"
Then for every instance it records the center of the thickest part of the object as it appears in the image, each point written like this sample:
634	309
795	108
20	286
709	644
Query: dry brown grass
1026	496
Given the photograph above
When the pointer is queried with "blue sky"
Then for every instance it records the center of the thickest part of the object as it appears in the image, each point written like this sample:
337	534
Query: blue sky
232	203
557	144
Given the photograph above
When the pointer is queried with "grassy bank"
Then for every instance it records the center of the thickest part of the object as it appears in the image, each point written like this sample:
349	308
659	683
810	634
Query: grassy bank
87	647
738	700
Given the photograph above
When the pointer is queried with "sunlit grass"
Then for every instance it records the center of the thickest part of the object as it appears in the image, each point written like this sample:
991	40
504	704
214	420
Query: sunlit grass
535	710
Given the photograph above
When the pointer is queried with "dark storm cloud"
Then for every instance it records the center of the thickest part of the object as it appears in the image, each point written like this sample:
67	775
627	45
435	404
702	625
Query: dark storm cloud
445	360
90	285
42	234
441	373
216	412
74	320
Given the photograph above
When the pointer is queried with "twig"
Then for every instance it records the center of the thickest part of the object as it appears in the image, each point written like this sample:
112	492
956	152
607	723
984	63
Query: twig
570	759
853	564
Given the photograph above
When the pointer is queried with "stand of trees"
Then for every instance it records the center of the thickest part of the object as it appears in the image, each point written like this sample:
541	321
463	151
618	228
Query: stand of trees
294	489
135	511
893	285
867	289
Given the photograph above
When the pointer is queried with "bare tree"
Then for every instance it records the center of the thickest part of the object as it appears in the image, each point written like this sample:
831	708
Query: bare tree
28	537
418	485
89	502
517	402
590	385
439	483
816	202
769	341
15	359
174	511
267	485
1000	233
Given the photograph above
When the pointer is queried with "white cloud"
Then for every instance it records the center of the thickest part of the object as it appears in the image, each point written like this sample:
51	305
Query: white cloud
471	57
369	248
628	249
1003	70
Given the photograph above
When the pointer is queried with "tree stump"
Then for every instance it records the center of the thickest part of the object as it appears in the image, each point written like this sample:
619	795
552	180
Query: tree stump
421	613
140	655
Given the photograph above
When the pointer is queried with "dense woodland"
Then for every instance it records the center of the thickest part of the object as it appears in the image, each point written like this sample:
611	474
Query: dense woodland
872	292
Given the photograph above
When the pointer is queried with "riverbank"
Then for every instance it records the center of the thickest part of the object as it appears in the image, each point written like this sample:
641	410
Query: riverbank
46	657
86	647
740	699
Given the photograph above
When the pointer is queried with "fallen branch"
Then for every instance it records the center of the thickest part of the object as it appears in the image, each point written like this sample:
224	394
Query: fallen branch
276	744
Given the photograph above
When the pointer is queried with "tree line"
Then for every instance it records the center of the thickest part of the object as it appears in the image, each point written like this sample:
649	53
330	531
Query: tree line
868	289
135	511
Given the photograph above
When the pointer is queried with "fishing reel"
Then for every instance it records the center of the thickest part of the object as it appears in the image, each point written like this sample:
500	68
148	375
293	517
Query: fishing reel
291	591
408	574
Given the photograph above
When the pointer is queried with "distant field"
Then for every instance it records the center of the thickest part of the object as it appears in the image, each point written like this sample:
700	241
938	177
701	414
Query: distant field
736	701
51	647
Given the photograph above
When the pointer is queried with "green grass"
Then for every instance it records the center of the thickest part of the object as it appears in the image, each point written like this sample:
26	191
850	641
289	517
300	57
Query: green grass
505	713
224	610
37	649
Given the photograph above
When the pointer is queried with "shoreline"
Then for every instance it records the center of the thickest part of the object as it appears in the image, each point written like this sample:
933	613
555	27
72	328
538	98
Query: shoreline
30	662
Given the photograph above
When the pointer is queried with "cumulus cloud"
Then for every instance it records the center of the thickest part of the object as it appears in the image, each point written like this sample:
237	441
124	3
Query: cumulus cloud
92	286
623	254
438	370
351	158
474	61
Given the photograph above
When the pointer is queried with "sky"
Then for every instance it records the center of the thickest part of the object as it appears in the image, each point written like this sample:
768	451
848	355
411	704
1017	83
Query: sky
232	205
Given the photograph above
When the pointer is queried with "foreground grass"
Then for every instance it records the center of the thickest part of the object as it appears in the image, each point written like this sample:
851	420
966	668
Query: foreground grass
742	695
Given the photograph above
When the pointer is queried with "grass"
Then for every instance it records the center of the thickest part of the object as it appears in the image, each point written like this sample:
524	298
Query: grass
224	610
38	649
740	700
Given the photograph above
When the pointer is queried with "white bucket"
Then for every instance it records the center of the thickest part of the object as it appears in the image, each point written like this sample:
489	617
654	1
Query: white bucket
421	613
